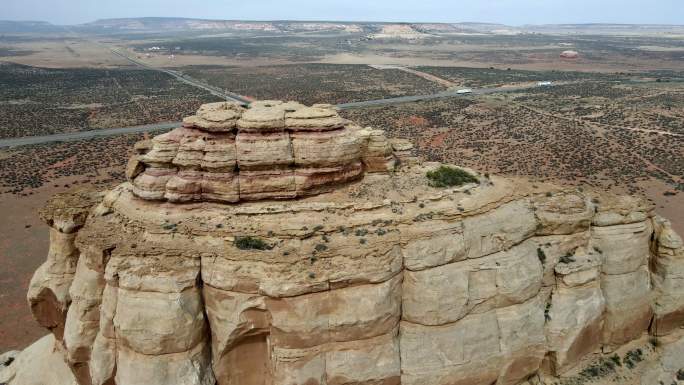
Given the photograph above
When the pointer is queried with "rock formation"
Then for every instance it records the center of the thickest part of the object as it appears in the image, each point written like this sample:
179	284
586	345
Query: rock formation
273	150
205	269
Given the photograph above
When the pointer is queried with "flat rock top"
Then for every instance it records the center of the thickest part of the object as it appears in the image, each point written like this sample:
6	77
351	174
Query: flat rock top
68	211
264	114
223	116
403	194
312	113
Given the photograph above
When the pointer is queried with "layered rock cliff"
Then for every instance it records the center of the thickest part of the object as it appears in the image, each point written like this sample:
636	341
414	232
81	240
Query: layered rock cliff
282	245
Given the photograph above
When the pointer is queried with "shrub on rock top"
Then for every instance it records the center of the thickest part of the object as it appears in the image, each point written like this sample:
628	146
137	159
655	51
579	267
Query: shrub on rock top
446	176
251	243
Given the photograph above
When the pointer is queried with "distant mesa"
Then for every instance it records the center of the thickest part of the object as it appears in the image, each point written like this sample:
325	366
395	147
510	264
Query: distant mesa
399	31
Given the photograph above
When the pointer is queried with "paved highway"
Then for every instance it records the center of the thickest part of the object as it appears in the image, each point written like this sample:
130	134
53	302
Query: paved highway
416	98
187	80
69	136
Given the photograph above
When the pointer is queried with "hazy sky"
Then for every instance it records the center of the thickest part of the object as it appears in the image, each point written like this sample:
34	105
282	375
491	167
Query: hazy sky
513	12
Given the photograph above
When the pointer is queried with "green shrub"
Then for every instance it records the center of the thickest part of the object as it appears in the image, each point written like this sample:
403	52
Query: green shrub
446	176
633	357
547	309
601	368
251	243
169	226
541	255
616	359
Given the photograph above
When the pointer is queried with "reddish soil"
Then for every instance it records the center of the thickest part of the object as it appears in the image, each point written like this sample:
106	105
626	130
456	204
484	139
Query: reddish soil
24	241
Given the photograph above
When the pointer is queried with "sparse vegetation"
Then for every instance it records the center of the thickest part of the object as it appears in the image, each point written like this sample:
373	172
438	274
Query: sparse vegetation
599	369
360	232
42	101
633	357
551	134
313	82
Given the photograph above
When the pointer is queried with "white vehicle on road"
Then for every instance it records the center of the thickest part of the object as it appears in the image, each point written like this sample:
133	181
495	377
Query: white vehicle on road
464	91
545	84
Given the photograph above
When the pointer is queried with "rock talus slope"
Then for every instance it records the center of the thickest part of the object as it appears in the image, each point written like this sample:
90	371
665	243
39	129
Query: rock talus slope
282	245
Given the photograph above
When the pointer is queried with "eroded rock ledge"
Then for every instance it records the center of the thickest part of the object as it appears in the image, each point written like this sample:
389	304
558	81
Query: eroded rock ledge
273	150
382	279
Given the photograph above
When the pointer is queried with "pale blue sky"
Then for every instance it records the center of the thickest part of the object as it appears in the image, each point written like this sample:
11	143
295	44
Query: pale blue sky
512	12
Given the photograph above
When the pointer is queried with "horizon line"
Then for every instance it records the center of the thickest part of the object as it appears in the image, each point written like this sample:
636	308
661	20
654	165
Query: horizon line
346	21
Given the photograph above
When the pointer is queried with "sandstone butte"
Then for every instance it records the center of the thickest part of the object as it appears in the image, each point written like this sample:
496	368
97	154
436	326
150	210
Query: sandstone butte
284	245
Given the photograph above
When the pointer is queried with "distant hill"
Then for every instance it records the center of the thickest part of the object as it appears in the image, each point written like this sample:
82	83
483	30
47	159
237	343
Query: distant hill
172	24
179	24
10	26
147	24
606	29
164	24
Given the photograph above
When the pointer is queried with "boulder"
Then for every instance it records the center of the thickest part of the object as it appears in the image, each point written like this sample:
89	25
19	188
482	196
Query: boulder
215	117
262	119
316	118
39	364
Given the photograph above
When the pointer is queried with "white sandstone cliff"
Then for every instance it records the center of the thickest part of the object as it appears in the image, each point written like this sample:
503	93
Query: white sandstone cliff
192	273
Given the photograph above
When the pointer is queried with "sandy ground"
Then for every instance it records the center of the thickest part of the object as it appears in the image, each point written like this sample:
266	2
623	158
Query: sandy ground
165	61
66	53
668	206
402	59
580	65
81	52
24	241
